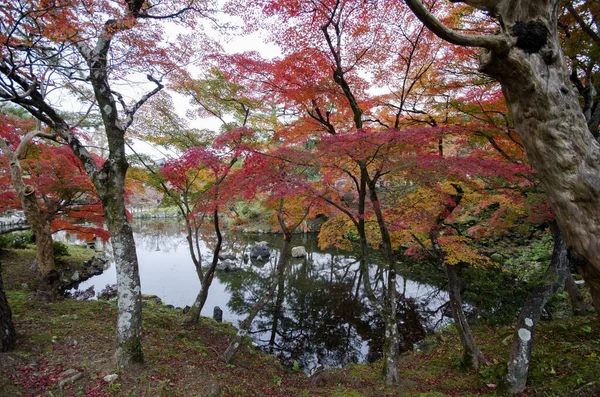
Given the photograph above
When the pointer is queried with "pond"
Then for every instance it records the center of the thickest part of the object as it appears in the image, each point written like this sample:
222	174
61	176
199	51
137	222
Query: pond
318	314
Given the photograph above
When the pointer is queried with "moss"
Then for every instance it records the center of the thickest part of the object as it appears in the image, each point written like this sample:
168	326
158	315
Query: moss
132	351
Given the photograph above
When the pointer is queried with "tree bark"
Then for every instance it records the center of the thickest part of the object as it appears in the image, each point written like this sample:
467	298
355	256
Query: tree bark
390	346
235	343
129	318
7	329
526	58
472	356
578	303
553	281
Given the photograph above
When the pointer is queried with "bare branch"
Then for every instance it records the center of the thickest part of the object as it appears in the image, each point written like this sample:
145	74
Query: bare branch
584	26
499	44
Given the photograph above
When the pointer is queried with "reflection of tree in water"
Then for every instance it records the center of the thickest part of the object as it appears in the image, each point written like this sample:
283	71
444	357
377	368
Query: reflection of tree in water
319	312
158	235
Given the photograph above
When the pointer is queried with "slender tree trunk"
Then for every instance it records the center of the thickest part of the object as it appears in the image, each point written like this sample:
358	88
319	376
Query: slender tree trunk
192	237
578	303
194	313
129	317
472	356
47	280
553	281
235	343
7	330
390	347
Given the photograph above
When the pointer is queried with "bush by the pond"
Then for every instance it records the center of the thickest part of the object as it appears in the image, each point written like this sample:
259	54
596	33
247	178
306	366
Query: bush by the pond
18	240
60	249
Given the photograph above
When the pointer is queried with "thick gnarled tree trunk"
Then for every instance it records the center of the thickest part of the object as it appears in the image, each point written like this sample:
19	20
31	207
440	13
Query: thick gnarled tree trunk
47	280
559	145
526	58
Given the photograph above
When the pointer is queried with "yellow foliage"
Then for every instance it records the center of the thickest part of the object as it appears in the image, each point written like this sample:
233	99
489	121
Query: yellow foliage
457	250
335	233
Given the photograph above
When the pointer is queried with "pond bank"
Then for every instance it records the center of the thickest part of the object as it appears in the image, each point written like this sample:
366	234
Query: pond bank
79	336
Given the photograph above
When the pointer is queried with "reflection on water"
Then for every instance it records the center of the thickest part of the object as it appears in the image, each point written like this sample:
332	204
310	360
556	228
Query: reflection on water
318	314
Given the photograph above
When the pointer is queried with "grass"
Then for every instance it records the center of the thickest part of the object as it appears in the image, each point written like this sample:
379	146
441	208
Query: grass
183	361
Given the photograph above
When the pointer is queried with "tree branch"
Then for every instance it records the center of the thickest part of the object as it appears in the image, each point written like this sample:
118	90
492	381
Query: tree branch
497	44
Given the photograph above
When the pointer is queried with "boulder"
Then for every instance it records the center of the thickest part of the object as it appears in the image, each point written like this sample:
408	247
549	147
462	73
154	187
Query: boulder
227	266
227	256
298	252
109	292
260	249
218	314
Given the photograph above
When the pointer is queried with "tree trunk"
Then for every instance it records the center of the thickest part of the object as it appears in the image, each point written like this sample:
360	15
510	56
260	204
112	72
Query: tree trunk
526	58
129	317
578	303
194	313
47	280
546	113
472	356
553	281
235	343
390	346
7	330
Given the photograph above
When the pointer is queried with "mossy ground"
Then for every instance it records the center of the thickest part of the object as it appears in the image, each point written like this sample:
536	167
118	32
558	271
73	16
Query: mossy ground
183	361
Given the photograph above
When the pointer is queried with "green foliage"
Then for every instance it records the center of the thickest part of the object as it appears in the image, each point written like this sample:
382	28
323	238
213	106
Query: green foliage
20	240
60	249
531	261
248	210
4	241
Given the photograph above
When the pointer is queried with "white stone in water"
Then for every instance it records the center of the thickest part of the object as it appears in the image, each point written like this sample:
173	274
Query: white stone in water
529	322
524	334
298	252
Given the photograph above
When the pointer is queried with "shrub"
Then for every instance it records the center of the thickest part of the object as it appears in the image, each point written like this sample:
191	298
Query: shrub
21	240
60	249
4	241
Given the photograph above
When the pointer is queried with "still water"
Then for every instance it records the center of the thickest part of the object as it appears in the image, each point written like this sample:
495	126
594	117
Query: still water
318	313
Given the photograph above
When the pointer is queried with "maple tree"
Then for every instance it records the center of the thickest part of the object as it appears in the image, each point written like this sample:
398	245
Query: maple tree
204	172
28	200
333	51
50	186
82	49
